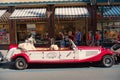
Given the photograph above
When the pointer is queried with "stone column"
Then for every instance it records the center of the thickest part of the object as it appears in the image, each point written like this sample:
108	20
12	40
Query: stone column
50	17
92	23
12	27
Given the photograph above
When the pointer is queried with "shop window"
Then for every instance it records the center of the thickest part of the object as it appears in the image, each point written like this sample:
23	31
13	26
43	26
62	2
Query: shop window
39	30
21	32
110	29
4	34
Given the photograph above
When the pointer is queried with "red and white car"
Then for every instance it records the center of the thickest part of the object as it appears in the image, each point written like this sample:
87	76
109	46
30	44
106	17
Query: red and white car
73	54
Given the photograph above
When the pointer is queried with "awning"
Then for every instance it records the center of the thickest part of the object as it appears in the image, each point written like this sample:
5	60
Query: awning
71	12
5	17
111	11
2	11
24	2
29	13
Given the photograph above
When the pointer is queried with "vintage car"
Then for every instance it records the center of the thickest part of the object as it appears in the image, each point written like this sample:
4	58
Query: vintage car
24	54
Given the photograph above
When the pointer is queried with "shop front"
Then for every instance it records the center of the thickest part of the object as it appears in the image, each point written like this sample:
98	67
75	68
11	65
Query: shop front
44	21
46	18
35	21
109	23
29	21
72	19
4	28
16	23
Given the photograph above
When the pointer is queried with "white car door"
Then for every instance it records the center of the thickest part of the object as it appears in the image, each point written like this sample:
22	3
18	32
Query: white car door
51	55
69	54
84	54
36	55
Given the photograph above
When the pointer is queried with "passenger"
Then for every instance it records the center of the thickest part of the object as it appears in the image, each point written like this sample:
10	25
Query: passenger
70	35
54	47
31	39
28	44
61	38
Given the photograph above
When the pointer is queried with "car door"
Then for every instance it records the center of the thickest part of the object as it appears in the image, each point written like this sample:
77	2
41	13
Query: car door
67	54
88	53
52	55
36	55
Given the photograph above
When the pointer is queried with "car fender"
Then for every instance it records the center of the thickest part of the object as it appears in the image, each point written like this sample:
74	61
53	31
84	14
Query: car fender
23	55
100	56
105	52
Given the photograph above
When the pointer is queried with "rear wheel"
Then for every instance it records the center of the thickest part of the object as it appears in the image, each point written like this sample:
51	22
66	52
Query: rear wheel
20	63
107	61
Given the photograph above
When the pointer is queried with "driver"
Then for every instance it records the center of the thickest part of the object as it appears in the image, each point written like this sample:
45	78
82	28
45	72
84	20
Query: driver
28	44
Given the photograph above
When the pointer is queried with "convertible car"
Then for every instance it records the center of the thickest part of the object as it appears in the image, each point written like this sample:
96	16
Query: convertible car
24	54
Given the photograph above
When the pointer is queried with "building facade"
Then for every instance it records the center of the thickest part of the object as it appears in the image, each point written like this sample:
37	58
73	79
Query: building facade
46	18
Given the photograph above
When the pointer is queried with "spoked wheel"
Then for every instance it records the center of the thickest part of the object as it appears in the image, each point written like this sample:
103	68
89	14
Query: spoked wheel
107	61
20	63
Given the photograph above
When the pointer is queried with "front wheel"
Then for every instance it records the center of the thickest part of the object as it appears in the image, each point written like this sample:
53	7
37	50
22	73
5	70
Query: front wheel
20	63
107	61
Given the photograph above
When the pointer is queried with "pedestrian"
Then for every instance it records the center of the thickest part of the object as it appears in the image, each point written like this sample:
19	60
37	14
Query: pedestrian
78	37
118	36
97	38
70	35
90	39
60	38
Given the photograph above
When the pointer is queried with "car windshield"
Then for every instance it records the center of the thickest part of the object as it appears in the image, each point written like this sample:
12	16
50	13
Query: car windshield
72	44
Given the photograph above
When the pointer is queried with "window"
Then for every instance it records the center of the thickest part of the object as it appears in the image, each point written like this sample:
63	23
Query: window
4	34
